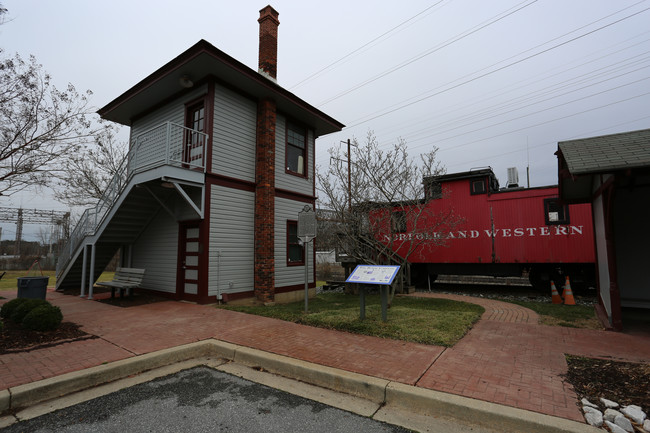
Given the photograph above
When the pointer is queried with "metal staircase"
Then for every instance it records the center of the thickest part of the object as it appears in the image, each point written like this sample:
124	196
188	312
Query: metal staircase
165	164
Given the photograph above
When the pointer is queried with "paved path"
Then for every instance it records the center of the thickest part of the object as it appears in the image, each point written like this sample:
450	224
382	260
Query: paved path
507	358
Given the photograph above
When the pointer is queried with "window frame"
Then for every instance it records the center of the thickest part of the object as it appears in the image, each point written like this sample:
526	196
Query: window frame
547	209
290	224
398	221
472	191
305	150
190	139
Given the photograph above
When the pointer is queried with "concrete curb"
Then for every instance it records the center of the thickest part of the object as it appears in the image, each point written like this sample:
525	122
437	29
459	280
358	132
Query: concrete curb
358	385
477	412
47	389
380	391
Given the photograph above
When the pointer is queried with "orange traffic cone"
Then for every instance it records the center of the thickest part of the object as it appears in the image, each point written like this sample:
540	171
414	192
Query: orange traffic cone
555	296
568	294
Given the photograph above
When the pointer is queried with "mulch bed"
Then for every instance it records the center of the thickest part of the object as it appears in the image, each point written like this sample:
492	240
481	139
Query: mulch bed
623	382
14	338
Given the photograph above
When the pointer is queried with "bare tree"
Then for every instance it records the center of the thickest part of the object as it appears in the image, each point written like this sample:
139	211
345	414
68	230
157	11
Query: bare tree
381	217
88	172
40	125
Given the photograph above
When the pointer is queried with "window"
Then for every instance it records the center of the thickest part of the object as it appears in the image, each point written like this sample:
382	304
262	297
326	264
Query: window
295	250
194	143
477	186
555	213
398	221
434	191
296	149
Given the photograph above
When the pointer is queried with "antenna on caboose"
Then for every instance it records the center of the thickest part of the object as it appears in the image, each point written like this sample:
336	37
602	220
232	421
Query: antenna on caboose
527	164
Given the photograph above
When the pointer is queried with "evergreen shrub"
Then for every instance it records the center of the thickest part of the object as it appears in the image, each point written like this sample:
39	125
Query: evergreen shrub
23	309
45	317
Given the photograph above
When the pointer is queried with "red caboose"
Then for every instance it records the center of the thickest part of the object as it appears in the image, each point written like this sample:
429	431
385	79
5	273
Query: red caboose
512	231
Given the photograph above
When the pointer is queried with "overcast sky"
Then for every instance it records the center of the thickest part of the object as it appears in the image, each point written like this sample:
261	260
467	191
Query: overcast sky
490	83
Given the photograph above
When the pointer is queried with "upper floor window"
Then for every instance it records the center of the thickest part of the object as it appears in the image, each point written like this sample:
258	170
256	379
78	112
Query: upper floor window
477	186
555	213
295	250
296	149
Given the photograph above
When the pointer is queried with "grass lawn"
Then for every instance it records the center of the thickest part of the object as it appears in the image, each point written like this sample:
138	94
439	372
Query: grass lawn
9	281
440	322
573	316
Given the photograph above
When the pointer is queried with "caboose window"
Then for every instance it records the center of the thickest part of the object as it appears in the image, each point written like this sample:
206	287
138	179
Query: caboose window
398	221
434	191
477	186
555	213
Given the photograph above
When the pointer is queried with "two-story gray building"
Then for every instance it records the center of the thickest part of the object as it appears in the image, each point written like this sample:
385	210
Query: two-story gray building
221	162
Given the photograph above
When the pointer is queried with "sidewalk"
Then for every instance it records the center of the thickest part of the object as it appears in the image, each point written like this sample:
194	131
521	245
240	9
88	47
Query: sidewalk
507	358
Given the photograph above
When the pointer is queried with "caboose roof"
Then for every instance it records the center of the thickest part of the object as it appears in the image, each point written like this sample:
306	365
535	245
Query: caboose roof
482	172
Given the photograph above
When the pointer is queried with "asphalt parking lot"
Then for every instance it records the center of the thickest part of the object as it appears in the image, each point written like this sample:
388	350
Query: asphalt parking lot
201	399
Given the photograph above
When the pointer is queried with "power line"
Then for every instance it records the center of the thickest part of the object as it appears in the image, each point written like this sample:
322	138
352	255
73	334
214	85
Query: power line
420	56
535	103
400	107
367	44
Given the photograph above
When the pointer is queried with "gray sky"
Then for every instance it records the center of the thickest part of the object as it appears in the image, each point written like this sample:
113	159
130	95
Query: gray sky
490	83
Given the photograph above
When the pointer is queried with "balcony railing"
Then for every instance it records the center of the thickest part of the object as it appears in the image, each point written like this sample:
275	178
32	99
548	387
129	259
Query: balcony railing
167	144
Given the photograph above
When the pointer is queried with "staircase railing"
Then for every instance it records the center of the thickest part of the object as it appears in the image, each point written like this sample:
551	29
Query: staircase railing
165	144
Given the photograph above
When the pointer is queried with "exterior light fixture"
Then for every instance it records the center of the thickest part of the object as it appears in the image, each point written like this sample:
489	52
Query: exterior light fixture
186	82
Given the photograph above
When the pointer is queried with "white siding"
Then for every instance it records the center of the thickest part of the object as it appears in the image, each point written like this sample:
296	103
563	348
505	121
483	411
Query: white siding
288	275
155	251
232	233
172	112
234	135
286	181
601	252
153	148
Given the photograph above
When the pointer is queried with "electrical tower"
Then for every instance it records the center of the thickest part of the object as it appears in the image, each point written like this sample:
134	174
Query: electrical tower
34	216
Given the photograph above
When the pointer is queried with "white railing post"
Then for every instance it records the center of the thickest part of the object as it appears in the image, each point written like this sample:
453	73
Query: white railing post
169	142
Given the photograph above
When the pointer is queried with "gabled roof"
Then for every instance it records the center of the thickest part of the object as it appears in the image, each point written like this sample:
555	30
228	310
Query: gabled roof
202	61
607	153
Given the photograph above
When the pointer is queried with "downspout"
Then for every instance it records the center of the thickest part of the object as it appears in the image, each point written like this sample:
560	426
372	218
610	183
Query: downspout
218	275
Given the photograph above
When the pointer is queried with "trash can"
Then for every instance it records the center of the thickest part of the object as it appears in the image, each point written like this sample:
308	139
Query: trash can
32	287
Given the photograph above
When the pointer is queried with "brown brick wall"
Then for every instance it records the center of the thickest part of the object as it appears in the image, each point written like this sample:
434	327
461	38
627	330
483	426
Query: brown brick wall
265	202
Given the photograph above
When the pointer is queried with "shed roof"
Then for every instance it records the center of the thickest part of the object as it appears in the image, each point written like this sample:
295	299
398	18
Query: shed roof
579	161
607	153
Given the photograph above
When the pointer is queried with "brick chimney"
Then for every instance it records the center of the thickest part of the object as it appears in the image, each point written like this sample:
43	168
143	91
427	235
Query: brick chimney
268	56
265	163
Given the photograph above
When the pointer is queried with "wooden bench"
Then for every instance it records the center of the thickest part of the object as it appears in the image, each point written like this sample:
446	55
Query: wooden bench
124	279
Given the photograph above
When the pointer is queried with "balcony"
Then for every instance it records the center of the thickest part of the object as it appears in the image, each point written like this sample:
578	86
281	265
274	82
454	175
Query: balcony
164	150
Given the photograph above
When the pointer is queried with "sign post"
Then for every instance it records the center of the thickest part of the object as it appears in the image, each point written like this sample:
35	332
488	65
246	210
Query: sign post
306	233
369	274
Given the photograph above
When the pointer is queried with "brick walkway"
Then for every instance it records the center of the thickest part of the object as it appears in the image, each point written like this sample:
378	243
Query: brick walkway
507	358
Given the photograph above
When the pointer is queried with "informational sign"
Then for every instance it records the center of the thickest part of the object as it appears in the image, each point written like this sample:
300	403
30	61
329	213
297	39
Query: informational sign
306	224
370	274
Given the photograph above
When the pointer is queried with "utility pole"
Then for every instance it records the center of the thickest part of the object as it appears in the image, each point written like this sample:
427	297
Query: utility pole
32	216
19	232
349	179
